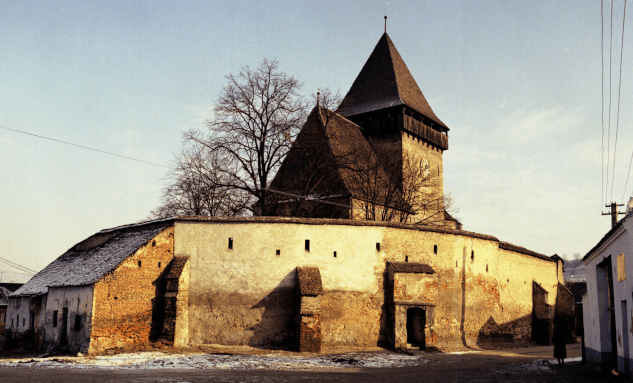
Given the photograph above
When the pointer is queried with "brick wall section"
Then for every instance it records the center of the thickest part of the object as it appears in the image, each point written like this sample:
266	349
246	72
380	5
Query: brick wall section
310	290
123	298
310	333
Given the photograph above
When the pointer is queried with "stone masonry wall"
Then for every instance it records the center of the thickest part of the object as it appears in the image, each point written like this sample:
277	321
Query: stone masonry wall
122	314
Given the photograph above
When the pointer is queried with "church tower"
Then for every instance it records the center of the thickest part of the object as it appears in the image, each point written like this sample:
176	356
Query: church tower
387	103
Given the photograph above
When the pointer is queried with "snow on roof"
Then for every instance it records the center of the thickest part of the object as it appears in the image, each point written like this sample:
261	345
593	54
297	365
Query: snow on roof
89	260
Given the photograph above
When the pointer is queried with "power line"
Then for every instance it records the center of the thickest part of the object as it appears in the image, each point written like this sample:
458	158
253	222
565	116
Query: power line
606	192
602	187
17	266
617	120
85	147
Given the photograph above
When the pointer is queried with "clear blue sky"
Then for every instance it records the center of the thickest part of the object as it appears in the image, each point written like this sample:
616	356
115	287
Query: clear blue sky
517	82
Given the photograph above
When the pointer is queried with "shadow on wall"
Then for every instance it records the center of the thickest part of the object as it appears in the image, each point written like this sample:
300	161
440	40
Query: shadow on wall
158	304
276	328
492	334
387	332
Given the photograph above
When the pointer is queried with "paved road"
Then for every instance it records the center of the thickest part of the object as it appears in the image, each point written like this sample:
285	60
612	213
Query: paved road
527	365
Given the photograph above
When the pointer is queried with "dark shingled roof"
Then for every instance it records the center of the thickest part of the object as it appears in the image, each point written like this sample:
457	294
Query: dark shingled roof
83	265
385	81
345	155
411	267
4	296
309	279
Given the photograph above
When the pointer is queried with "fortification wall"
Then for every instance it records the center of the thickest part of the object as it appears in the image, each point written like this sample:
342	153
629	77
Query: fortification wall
243	280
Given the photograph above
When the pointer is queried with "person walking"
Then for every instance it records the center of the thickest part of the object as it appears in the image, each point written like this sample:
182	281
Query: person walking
560	350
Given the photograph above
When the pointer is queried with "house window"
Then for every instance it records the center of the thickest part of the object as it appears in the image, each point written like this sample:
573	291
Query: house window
55	318
307	245
230	243
77	322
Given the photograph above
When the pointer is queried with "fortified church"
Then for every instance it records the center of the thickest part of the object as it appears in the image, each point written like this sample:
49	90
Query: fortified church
311	277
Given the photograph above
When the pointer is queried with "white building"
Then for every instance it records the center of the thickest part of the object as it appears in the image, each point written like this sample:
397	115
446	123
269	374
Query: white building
608	301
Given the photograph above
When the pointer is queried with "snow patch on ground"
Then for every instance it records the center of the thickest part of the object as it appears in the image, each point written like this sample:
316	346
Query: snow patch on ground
159	360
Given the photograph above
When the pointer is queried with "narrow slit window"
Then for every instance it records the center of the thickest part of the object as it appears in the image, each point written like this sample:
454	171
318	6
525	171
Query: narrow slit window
159	265
377	246
153	243
435	249
230	243
486	268
277	252
406	258
335	254
307	245
139	263
55	318
472	255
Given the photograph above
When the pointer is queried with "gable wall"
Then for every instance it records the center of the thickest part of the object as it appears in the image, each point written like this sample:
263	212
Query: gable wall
124	298
246	295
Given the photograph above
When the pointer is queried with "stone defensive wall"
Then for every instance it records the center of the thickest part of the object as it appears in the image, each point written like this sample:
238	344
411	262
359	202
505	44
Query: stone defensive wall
242	283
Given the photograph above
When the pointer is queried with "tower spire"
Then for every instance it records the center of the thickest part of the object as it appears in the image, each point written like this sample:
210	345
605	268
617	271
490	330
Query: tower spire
385	23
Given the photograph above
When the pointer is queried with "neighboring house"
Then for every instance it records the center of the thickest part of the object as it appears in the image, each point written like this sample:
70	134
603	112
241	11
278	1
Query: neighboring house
99	294
607	303
4	300
284	282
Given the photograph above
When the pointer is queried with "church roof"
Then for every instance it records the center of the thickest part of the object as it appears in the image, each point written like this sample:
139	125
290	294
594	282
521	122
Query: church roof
333	151
385	81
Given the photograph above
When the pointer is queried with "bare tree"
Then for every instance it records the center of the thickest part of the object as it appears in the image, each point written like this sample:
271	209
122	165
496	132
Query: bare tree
257	116
196	187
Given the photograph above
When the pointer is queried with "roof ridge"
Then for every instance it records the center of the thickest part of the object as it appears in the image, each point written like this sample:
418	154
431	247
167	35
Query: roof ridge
390	46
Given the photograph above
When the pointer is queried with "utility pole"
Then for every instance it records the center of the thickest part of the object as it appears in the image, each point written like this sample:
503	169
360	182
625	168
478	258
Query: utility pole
614	212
